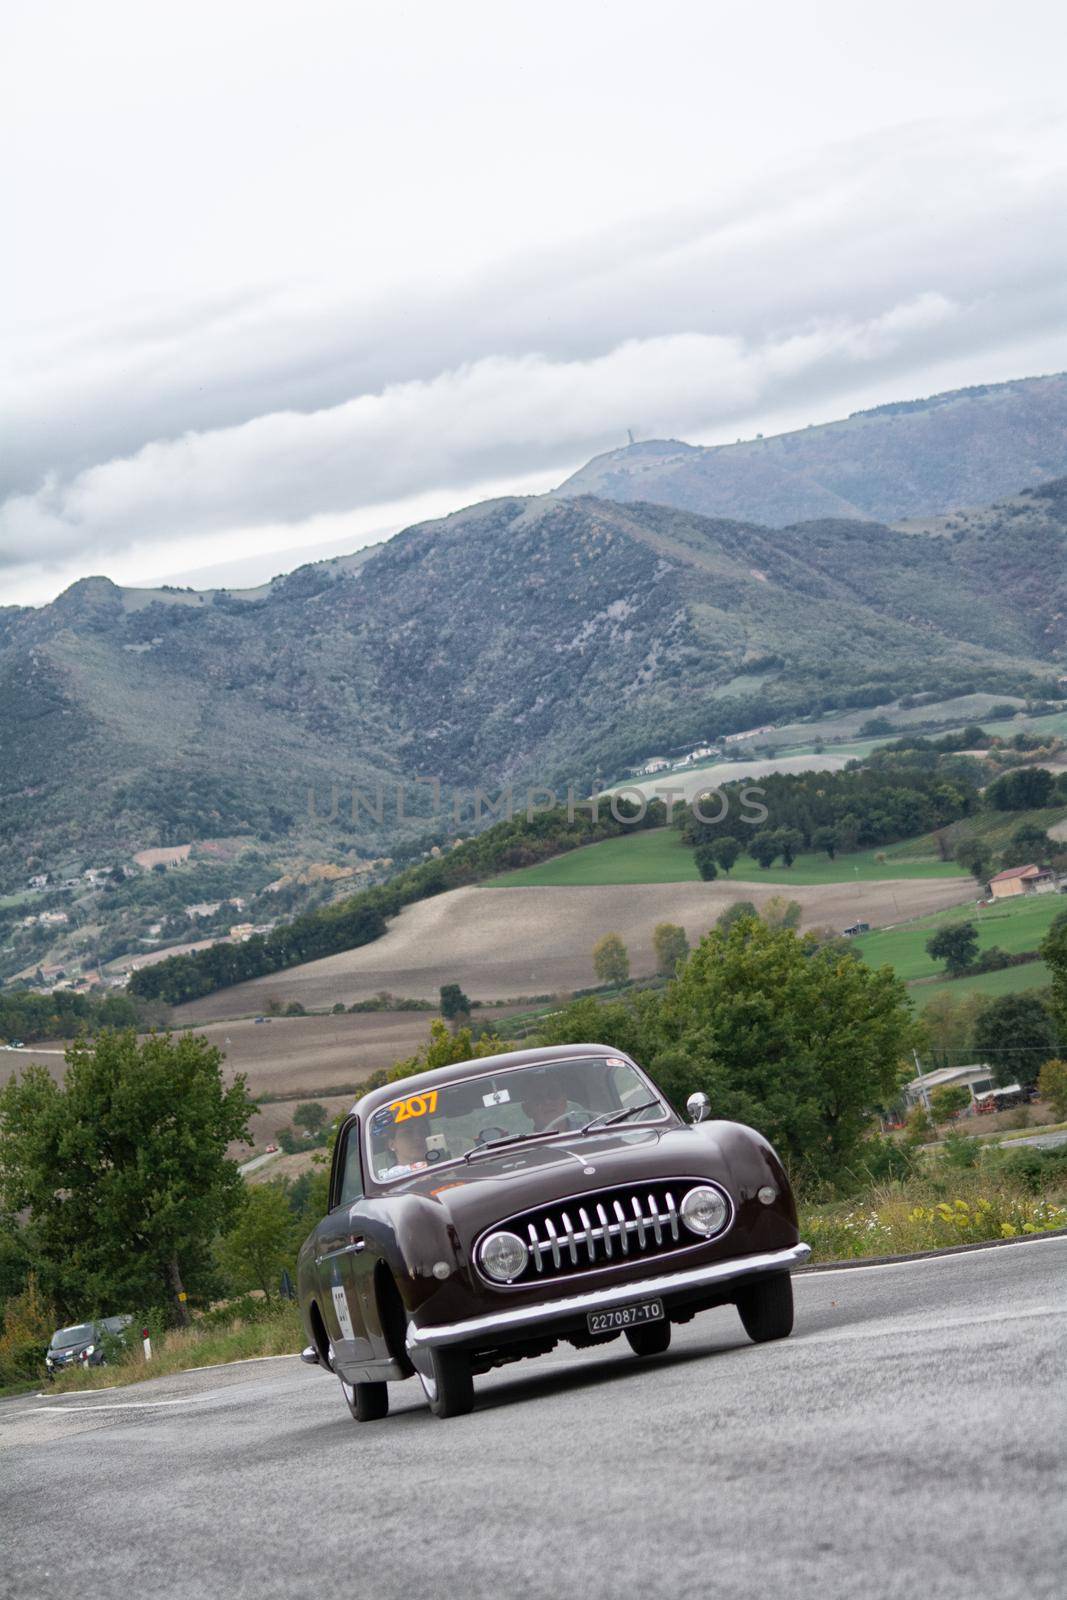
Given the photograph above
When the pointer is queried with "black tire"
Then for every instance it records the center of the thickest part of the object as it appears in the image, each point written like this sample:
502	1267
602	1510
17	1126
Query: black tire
766	1308
368	1402
450	1388
650	1338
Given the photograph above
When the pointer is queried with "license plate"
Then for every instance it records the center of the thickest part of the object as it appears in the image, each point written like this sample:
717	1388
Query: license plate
625	1316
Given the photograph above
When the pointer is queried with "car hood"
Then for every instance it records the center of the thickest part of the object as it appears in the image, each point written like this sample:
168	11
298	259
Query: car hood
520	1177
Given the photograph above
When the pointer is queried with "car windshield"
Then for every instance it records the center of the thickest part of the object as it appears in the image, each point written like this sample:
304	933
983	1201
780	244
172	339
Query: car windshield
66	1338
445	1124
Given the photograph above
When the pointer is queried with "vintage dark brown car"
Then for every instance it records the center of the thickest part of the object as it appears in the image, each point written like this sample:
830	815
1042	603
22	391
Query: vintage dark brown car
482	1212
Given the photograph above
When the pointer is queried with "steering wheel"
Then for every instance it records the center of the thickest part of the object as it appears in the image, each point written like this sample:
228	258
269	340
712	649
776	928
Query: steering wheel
484	1135
566	1122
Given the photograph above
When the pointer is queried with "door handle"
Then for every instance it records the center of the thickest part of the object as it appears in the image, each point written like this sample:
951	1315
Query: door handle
354	1247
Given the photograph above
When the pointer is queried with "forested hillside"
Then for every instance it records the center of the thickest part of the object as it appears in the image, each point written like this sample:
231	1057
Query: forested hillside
913	458
533	641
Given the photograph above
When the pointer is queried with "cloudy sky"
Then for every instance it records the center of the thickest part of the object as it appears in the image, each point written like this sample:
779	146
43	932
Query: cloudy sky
278	278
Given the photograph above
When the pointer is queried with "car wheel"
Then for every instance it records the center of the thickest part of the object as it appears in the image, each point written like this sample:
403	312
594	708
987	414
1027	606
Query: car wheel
650	1339
368	1402
450	1386
766	1309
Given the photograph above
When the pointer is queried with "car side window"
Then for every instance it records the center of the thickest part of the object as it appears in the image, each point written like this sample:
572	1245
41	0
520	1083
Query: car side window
351	1171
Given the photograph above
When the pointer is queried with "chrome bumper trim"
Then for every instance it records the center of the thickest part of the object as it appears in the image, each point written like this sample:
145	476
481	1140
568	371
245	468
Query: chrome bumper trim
548	1311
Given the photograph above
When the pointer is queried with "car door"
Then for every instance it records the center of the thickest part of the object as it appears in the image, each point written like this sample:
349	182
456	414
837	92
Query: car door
339	1251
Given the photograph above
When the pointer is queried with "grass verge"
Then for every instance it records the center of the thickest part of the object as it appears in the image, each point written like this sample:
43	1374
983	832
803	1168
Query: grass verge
966	1207
181	1349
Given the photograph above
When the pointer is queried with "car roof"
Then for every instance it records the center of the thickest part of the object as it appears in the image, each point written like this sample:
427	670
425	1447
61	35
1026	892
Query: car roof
419	1082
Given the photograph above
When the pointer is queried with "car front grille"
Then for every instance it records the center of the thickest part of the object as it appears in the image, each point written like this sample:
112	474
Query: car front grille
605	1228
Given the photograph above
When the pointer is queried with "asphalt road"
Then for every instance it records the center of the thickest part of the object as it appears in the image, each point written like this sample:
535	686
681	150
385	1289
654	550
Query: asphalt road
908	1440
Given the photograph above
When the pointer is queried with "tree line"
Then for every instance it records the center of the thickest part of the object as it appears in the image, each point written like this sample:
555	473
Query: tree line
361	918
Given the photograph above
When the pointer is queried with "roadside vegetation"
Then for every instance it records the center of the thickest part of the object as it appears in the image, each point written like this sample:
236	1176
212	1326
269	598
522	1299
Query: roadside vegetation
117	1193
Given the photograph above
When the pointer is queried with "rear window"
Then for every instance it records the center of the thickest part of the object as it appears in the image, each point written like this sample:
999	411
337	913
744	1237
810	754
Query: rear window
66	1338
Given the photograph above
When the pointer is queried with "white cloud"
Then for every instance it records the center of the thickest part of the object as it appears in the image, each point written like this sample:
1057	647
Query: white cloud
495	346
416	436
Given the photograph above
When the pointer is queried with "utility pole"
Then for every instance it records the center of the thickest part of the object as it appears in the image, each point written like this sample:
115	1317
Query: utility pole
923	1092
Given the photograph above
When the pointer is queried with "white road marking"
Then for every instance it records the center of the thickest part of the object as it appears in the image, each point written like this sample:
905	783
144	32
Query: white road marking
125	1405
922	1261
210	1366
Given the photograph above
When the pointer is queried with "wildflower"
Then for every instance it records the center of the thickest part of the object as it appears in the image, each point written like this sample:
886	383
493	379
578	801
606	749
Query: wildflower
1008	1230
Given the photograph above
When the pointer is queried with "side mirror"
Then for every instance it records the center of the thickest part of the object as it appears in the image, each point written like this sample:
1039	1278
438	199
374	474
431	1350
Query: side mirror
698	1106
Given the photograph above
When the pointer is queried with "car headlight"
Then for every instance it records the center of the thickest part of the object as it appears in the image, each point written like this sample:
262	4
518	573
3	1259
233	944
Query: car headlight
503	1256
704	1211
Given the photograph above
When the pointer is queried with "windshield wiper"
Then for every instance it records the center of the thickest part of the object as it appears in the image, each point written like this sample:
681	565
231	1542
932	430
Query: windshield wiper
508	1138
605	1118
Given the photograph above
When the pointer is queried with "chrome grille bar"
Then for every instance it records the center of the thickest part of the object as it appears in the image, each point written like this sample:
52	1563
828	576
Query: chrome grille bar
605	1229
654	1225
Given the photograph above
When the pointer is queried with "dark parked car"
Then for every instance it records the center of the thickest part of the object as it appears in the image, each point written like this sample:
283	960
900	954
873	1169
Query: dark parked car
482	1212
84	1343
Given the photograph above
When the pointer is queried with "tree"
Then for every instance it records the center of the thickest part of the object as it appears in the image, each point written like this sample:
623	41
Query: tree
735	913
454	1003
1030	840
260	1243
825	839
312	1115
671	946
956	946
727	849
122	1171
1054	950
803	1045
778	912
1025	789
948	1023
443	1049
1016	1036
611	961
790	840
704	856
975	858
763	847
948	1100
1052	1086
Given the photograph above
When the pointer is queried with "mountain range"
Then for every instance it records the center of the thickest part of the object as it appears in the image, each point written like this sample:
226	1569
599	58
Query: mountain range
912	458
531	640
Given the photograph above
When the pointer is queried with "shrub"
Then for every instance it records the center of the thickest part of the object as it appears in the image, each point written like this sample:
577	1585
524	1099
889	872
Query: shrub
949	1100
28	1325
1052	1086
611	961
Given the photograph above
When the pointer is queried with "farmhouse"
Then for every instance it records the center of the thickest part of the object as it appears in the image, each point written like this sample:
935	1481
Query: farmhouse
1022	880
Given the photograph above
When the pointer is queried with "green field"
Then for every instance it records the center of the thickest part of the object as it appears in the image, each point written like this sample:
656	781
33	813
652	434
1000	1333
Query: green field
1014	925
1009	980
657	855
993	828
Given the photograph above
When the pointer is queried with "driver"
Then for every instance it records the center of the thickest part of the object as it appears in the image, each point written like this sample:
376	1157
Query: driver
547	1106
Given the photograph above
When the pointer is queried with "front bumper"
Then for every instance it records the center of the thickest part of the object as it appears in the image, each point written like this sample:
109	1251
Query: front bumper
543	1315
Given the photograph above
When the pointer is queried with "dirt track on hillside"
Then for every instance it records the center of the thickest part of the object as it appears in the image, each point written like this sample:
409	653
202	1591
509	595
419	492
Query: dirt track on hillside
501	943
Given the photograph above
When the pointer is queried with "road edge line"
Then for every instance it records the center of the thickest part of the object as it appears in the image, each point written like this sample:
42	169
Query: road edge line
929	1255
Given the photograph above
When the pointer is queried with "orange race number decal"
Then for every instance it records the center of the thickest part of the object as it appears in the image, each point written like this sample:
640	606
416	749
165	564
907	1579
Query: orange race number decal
419	1105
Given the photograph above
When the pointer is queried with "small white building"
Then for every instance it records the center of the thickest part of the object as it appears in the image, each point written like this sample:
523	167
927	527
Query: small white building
978	1078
